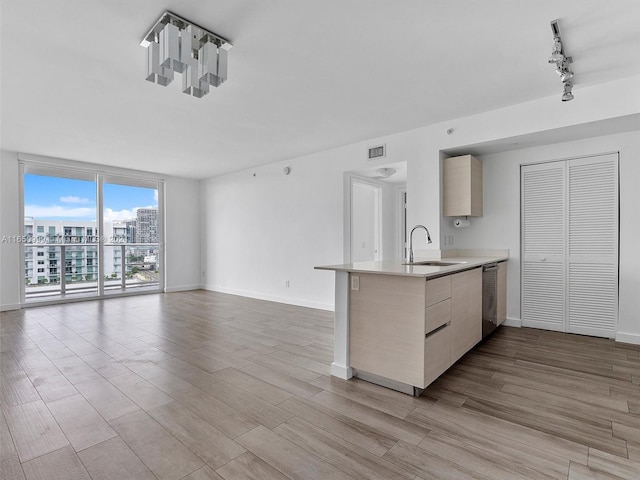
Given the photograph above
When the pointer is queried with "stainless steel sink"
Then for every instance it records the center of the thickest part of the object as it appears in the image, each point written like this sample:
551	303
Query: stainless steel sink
434	263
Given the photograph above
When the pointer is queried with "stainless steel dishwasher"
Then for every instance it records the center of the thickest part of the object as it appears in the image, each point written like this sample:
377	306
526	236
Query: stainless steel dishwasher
489	298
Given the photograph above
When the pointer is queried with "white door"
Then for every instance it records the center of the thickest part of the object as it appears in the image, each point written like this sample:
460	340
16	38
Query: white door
365	222
570	245
593	245
543	246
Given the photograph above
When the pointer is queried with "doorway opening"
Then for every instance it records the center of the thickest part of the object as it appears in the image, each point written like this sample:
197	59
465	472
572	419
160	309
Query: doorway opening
375	213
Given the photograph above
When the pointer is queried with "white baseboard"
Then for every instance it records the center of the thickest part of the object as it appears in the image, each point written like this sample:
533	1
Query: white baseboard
341	371
183	288
271	298
624	337
10	306
512	322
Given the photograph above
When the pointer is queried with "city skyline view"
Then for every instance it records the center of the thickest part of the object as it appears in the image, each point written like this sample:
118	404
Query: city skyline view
58	198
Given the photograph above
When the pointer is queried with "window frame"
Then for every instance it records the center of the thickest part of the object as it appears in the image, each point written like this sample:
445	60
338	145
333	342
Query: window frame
100	174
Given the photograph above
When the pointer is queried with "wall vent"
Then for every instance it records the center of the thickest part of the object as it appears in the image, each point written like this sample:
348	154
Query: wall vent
377	152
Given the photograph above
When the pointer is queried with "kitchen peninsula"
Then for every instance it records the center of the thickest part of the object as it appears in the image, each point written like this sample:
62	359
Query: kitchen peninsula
402	325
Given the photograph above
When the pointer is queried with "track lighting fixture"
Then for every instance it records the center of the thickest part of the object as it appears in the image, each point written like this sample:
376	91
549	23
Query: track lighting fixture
562	61
176	45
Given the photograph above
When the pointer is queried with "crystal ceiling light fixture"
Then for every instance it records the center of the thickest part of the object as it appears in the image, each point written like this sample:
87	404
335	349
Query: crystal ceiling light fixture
177	45
562	62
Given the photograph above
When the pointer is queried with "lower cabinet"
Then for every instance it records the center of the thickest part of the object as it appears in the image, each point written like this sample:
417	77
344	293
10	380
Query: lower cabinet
411	331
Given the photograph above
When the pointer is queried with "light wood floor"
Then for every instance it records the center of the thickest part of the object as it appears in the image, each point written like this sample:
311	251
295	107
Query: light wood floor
199	385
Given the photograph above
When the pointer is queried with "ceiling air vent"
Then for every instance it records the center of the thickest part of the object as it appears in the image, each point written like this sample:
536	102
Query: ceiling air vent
377	152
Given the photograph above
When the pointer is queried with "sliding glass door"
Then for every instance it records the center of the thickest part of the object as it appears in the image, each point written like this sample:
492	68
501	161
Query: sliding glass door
132	259
60	252
88	234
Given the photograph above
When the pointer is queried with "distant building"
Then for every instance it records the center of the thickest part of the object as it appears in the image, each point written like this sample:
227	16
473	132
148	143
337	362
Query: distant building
147	225
131	230
44	261
61	247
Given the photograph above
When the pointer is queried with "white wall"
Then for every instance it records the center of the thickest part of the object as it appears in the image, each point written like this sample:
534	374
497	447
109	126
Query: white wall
182	210
500	225
10	262
262	228
182	234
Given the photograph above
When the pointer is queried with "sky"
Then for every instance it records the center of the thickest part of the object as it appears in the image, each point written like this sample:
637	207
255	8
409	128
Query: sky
56	198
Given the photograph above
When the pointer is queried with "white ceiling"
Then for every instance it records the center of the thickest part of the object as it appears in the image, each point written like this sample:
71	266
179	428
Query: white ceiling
304	75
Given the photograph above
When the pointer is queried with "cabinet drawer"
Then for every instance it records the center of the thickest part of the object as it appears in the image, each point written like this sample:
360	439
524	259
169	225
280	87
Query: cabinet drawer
437	354
437	315
438	289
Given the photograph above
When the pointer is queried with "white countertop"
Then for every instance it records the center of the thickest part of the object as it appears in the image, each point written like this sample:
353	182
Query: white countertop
396	267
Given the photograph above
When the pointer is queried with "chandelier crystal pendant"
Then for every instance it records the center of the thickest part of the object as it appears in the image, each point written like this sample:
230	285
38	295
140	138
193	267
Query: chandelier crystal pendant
562	62
176	45
155	72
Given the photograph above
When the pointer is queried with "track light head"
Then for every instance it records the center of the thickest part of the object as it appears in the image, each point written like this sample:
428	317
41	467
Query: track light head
567	95
566	75
562	61
556	58
556	54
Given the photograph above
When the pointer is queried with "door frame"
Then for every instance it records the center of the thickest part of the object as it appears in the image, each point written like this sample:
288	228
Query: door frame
402	221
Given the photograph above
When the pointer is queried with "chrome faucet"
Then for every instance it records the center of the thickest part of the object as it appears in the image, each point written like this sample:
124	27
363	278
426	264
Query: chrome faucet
411	240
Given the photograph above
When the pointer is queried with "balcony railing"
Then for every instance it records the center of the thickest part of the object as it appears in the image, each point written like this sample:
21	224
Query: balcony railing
127	266
135	266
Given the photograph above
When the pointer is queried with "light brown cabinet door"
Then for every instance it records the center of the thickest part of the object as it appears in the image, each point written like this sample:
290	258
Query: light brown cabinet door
466	311
437	354
386	327
462	187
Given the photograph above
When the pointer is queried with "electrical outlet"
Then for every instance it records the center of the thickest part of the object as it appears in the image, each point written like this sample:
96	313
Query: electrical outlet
355	283
203	274
287	284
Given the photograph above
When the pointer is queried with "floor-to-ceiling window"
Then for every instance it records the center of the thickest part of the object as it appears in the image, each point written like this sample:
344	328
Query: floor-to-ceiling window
87	234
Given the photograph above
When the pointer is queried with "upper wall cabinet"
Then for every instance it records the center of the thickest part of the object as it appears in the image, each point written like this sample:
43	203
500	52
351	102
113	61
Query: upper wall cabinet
462	187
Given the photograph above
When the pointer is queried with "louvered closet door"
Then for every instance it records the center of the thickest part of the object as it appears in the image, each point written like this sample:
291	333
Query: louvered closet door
593	245
570	245
543	246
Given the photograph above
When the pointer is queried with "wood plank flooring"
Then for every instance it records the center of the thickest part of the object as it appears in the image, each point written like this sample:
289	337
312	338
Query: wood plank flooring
201	385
